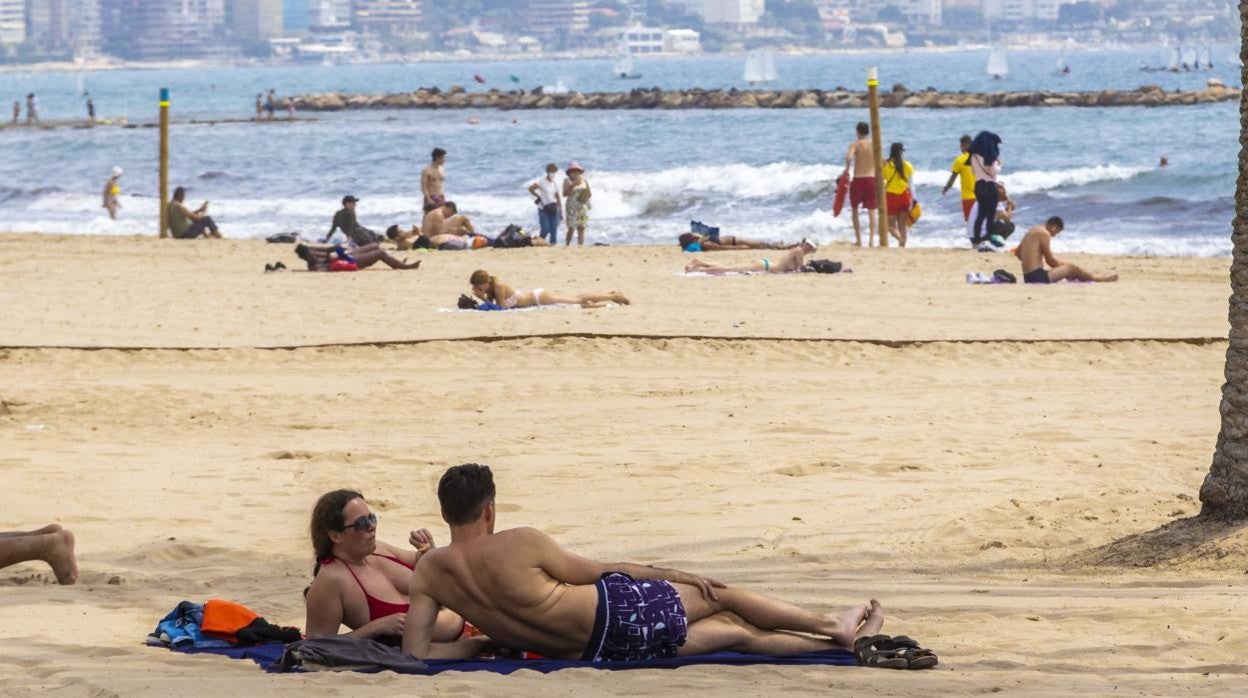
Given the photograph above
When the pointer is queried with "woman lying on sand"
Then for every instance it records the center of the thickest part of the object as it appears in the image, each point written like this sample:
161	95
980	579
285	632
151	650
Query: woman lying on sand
359	581
320	257
793	260
692	242
489	288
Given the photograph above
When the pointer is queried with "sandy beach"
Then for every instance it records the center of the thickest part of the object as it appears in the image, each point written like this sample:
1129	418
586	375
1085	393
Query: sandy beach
989	461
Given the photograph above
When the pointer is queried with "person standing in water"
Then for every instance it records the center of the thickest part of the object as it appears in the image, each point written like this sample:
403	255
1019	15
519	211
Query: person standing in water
112	193
576	196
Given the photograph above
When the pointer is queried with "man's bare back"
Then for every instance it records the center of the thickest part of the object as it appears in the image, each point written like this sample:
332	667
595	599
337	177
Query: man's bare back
1034	247
861	152
499	582
433	223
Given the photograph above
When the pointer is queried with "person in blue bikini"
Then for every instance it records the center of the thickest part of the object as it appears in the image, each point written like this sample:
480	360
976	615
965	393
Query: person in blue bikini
793	260
526	592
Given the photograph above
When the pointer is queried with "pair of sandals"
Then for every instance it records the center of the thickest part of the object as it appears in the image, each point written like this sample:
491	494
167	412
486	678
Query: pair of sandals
885	652
276	266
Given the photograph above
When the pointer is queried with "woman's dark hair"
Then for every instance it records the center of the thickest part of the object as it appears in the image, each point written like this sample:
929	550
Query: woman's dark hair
481	277
687	239
179	193
326	517
899	163
392	232
463	492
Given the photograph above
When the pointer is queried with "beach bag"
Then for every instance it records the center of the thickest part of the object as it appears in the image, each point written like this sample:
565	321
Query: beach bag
702	229
916	212
1002	276
824	266
513	236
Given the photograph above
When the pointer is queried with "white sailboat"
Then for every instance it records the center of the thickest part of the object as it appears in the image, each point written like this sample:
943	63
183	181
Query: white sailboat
623	66
760	66
998	62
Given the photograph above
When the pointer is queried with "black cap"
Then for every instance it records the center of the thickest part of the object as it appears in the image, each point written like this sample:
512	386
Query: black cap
349	198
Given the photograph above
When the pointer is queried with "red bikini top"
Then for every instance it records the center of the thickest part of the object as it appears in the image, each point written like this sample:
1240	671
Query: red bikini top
376	607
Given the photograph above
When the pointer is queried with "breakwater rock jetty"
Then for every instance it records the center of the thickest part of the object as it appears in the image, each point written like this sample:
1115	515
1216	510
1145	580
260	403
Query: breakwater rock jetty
899	96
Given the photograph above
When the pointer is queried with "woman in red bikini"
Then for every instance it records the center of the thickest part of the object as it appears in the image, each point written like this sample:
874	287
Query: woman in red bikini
359	581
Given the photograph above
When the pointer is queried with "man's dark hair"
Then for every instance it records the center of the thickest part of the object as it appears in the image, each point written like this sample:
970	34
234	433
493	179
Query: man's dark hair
392	233
438	152
463	492
451	205
179	193
965	139
863	129
1055	222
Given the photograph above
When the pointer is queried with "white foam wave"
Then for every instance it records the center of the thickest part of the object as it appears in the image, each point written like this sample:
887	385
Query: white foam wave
1032	181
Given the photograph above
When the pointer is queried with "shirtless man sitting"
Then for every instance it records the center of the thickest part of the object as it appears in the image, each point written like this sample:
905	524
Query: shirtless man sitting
793	260
1034	253
446	220
526	592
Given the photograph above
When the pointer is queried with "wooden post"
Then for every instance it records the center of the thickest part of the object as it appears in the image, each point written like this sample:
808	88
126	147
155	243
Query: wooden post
877	151
164	162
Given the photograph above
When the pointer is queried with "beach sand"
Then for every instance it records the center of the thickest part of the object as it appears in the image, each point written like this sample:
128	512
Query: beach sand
992	463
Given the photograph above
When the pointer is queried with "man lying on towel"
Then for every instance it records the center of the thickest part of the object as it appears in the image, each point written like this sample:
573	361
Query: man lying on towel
526	592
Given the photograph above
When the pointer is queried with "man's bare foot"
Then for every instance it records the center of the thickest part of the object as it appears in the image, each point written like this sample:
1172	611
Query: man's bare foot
619	298
1108	279
61	557
416	265
874	622
844	628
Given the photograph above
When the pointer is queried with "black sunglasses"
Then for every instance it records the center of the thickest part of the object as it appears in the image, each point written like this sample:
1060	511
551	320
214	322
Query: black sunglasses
362	524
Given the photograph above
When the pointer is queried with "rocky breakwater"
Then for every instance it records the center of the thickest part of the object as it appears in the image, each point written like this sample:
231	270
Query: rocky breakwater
654	98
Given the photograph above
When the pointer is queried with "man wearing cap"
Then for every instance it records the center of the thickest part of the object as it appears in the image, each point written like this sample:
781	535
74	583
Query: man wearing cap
345	221
111	193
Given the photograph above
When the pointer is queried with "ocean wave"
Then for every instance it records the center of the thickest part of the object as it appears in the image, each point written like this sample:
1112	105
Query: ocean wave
1033	181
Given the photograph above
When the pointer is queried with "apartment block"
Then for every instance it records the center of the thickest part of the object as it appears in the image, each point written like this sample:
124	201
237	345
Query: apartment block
388	17
12	21
735	13
257	20
296	15
334	14
1022	10
551	17
164	29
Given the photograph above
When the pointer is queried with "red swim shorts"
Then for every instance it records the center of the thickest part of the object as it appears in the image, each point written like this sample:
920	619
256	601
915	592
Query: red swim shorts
862	193
967	205
898	203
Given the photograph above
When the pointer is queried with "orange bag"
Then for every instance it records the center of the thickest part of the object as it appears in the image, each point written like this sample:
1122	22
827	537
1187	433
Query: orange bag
224	618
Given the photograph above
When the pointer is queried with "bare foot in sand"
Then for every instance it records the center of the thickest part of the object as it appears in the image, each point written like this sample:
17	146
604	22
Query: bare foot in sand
844	628
619	298
61	557
874	622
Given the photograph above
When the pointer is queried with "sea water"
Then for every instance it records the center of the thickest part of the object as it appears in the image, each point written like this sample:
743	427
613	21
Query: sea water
756	173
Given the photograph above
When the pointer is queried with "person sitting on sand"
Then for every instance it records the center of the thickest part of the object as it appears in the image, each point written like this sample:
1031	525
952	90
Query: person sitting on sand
793	260
51	544
526	592
1034	253
489	288
693	242
186	224
405	239
321	257
359	581
446	220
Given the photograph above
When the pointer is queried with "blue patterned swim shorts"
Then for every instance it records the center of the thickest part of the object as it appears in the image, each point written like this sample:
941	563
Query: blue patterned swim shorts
636	619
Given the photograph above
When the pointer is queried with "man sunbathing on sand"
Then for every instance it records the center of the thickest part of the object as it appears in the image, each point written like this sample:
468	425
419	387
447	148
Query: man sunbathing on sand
489	288
793	260
51	544
692	242
526	592
1034	253
359	581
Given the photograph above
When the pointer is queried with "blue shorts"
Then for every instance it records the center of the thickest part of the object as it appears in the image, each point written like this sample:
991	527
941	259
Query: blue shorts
636	620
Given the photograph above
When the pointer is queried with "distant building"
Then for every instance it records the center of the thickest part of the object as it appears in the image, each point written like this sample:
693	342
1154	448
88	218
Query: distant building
1022	10
164	29
329	14
548	18
734	13
12	21
682	41
388	17
296	15
63	26
257	20
642	40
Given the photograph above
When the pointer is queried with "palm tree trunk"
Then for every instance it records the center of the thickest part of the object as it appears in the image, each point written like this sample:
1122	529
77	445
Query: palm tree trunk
1224	494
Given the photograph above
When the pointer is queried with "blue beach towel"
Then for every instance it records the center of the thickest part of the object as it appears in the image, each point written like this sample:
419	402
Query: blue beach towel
267	656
